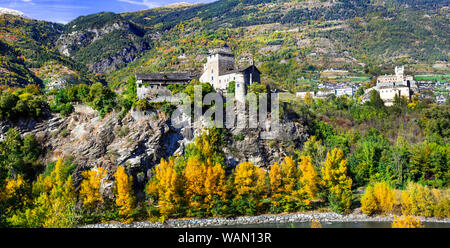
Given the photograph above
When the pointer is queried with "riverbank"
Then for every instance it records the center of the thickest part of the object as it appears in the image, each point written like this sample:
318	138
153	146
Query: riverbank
262	219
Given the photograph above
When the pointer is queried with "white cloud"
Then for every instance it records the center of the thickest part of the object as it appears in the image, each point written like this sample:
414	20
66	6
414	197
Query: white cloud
147	3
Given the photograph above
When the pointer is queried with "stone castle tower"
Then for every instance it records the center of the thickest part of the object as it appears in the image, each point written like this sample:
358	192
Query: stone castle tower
220	62
220	71
399	73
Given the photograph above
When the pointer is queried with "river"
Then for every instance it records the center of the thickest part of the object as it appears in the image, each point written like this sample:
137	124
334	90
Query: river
372	224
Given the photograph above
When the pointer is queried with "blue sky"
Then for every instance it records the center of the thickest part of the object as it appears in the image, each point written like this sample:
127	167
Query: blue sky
63	11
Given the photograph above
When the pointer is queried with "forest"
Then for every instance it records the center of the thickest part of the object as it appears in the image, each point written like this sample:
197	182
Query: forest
383	160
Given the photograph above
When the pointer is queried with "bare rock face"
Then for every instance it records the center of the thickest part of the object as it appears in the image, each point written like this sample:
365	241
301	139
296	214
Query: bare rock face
109	142
140	140
76	42
248	145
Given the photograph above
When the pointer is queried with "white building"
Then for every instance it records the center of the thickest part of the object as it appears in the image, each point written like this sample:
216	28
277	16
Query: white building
220	71
391	85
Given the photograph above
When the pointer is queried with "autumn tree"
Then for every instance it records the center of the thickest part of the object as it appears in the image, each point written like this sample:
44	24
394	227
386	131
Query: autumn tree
334	173
124	194
276	180
204	184
250	187
309	178
286	193
90	187
14	197
54	206
379	197
166	186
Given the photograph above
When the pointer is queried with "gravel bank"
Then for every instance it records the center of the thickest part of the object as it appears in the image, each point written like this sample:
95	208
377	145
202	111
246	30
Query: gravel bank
264	219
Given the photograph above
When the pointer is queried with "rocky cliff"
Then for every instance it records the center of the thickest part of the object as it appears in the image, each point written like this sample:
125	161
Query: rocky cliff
139	141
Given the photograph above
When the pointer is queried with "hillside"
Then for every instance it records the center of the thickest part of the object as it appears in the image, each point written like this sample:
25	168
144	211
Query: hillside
295	39
29	46
103	42
291	41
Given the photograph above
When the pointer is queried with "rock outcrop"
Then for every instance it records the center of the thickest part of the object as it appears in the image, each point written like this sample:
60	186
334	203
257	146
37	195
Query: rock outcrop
140	140
103	46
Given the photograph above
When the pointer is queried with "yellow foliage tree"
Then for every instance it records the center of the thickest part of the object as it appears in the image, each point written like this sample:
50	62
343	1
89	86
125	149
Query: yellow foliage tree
290	175
13	195
309	178
249	180
379	197
215	185
203	184
334	173
406	222
309	98
276	180
90	187
166	186
420	200
124	194
55	206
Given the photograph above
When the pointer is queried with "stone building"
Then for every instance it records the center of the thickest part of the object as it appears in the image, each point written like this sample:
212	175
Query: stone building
391	85
153	86
220	71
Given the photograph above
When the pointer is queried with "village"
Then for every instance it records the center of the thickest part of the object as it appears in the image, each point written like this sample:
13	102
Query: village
220	70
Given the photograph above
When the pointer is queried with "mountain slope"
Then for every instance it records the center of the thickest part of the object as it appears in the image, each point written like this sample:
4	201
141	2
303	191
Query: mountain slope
103	41
32	43
297	39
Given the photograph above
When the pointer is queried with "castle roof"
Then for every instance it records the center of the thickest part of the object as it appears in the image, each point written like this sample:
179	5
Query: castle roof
165	78
243	70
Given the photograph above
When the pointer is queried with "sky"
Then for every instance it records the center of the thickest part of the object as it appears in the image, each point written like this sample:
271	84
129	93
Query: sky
64	11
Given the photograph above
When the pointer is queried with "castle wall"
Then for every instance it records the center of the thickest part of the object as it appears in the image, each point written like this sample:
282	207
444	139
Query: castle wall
152	91
388	94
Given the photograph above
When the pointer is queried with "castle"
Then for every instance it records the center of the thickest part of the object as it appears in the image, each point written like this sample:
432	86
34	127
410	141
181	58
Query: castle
390	85
220	71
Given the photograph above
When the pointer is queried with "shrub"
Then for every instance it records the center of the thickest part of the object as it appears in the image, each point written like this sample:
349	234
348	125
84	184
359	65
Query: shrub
406	222
379	197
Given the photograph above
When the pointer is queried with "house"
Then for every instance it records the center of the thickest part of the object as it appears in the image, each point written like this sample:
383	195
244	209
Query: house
154	86
344	91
